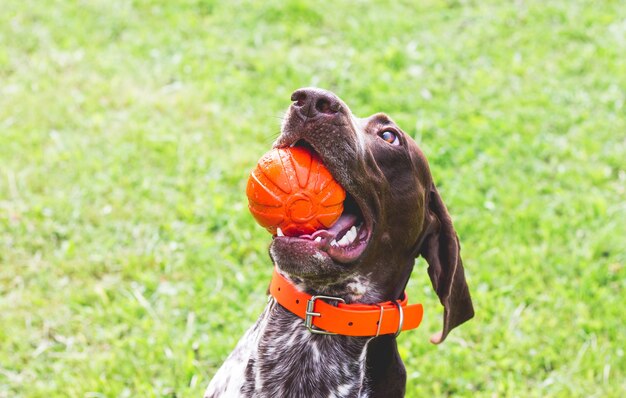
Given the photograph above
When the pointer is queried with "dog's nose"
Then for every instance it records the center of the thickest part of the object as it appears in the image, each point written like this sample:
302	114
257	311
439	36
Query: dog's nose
312	102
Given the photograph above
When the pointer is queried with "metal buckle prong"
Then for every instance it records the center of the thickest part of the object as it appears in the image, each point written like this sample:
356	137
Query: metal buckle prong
309	314
401	320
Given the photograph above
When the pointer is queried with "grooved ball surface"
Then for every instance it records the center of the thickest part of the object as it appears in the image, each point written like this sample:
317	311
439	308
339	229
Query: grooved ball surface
290	188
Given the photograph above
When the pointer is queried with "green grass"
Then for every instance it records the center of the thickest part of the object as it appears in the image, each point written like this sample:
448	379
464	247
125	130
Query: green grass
130	267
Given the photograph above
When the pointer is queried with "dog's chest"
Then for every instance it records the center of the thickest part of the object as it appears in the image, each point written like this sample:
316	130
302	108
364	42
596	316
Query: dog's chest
228	380
279	357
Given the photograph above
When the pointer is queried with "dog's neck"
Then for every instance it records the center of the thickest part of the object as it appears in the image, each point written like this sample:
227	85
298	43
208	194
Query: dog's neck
290	361
358	288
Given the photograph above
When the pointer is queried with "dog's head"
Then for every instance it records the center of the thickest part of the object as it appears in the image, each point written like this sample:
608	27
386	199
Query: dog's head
392	212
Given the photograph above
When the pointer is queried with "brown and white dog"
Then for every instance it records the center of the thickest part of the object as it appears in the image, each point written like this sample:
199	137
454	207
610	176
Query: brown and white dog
393	206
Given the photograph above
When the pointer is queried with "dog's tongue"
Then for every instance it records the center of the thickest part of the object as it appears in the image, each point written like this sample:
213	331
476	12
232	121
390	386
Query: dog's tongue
342	224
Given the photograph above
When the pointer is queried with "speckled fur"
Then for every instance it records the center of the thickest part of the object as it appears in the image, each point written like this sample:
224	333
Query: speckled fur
279	357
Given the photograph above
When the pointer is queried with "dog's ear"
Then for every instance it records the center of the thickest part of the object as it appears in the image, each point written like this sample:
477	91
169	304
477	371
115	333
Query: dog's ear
440	248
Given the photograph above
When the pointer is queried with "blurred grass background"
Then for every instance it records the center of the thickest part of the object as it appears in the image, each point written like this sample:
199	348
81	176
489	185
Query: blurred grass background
130	267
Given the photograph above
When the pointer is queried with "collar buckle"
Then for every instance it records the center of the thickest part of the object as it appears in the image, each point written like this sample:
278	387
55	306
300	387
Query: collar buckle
309	314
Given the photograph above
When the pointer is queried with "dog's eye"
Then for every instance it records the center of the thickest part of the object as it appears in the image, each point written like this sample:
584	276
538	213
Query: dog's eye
390	136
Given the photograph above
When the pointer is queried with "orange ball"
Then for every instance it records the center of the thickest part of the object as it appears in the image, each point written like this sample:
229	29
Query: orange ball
291	189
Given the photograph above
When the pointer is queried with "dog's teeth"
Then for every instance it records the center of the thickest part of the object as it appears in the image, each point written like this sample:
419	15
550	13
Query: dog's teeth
352	233
318	239
333	243
279	232
344	241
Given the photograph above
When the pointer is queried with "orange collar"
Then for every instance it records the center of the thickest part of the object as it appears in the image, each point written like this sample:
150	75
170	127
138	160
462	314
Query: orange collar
390	317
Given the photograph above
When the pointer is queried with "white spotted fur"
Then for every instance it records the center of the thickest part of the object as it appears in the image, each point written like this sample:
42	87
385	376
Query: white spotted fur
228	381
279	357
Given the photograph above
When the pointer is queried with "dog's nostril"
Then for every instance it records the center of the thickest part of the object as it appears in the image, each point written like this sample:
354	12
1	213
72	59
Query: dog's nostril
310	103
324	105
299	98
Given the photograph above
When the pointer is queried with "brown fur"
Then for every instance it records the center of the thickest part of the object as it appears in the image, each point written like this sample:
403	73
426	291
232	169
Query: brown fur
404	217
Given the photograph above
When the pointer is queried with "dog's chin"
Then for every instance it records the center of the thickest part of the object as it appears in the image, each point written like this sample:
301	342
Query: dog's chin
307	257
301	258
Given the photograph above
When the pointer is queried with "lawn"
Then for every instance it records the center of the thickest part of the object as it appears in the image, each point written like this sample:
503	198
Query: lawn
130	266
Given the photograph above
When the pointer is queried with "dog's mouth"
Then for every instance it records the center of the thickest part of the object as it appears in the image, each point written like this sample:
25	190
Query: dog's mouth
346	240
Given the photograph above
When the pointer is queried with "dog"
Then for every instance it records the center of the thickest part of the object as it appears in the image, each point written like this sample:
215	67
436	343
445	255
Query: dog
392	214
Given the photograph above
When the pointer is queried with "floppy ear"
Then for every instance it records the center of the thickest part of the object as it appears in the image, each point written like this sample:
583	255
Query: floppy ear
440	248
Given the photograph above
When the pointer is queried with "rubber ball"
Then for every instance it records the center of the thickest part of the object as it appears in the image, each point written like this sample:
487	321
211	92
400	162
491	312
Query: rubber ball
291	189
